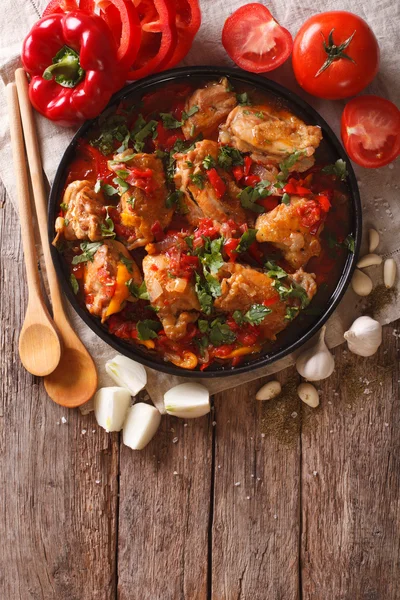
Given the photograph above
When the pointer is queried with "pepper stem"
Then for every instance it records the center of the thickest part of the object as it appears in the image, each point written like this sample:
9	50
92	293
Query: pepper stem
66	69
334	52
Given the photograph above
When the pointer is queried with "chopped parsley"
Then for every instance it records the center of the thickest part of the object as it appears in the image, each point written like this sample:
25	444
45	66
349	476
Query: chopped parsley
109	190
288	163
74	283
175	200
256	314
107	228
203	325
221	333
141	131
138	291
64	206
339	169
123	186
204	296
291	312
89	249
350	243
126	261
147	329
238	317
198	179
243	99
274	270
112	129
170	122
286	199
247	239
208	162
250	195
229	157
293	291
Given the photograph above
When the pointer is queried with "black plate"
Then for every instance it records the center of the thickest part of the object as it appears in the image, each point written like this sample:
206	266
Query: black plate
295	335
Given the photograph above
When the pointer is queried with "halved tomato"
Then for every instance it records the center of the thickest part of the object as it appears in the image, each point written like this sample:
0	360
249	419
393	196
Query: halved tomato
371	131
254	39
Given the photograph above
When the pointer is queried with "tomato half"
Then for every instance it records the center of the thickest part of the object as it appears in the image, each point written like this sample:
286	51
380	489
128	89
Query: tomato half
371	131
335	55
254	40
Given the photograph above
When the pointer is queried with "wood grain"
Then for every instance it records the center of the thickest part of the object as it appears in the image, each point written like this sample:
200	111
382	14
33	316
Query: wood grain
58	486
255	534
164	514
351	480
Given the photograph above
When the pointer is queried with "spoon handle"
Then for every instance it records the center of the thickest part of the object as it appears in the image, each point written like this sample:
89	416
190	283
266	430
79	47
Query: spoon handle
23	192
39	194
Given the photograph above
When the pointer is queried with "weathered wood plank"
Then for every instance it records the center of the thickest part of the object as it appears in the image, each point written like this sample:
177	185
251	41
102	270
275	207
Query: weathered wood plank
58	485
164	514
256	495
351	479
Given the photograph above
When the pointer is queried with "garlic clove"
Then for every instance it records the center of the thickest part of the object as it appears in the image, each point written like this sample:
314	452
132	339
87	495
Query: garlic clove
364	337
373	237
361	283
389	272
110	407
187	401
140	426
368	260
308	394
317	362
269	390
127	373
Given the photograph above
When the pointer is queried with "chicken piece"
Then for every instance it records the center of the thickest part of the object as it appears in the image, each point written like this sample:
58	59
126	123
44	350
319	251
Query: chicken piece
284	228
201	199
243	286
214	101
271	135
175	298
85	213
144	203
105	277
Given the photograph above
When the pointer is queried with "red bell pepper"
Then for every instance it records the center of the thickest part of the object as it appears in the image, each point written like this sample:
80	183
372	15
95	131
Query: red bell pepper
188	20
230	248
295	187
217	183
251	180
247	165
60	6
72	60
238	172
269	203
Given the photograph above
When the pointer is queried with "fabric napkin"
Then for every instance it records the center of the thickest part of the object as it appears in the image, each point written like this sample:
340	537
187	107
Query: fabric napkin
378	188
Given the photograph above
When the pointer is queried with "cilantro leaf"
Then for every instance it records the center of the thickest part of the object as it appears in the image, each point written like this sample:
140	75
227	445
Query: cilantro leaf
138	291
256	314
350	243
243	99
238	317
205	298
173	198
291	312
123	186
293	291
221	333
203	325
198	179
274	270
247	239
141	131
286	199
192	111
208	162
89	249
147	329
229	157
74	283
249	196
126	261
107	228
109	190
169	121
288	163
64	206
339	169
113	128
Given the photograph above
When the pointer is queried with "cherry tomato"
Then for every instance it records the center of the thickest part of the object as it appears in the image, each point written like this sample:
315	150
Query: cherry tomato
371	131
254	40
335	55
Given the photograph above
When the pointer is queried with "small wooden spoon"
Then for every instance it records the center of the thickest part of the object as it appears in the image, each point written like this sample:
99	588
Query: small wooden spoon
39	344
75	380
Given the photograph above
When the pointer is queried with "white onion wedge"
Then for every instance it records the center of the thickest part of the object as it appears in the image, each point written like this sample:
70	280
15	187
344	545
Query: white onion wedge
141	424
110	407
187	401
127	373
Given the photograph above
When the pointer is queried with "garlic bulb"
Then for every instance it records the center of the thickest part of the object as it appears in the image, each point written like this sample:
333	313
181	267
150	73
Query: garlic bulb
110	407
308	394
187	401
127	373
364	337
269	390
317	362
373	238
140	425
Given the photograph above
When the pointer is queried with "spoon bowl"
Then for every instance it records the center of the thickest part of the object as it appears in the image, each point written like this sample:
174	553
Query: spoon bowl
39	344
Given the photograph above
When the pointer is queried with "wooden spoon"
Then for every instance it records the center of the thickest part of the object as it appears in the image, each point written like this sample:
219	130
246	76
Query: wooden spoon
75	380
39	344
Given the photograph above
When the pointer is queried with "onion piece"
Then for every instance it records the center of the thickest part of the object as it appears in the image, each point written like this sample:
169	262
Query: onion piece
110	407
187	401
140	426
127	373
155	290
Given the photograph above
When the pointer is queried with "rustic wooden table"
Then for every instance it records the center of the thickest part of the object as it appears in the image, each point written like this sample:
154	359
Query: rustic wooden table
260	501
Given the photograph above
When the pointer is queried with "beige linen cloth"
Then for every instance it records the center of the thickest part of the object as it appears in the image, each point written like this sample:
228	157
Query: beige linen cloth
379	189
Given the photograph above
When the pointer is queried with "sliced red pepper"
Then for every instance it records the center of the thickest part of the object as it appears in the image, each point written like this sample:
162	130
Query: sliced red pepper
323	202
206	228
248	336
217	183
310	213
157	231
122	18
252	180
271	301
88	5
230	248
159	37
238	172
255	252
268	203
223	350
188	20
164	139
295	187
59	6
247	165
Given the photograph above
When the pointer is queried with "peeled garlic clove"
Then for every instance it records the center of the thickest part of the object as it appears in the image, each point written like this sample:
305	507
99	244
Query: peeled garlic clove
317	362
389	272
308	394
269	390
140	426
373	237
110	407
361	283
368	260
127	373
187	401
364	337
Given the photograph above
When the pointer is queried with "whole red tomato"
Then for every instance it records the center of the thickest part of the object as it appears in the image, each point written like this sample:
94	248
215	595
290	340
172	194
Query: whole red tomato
335	55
